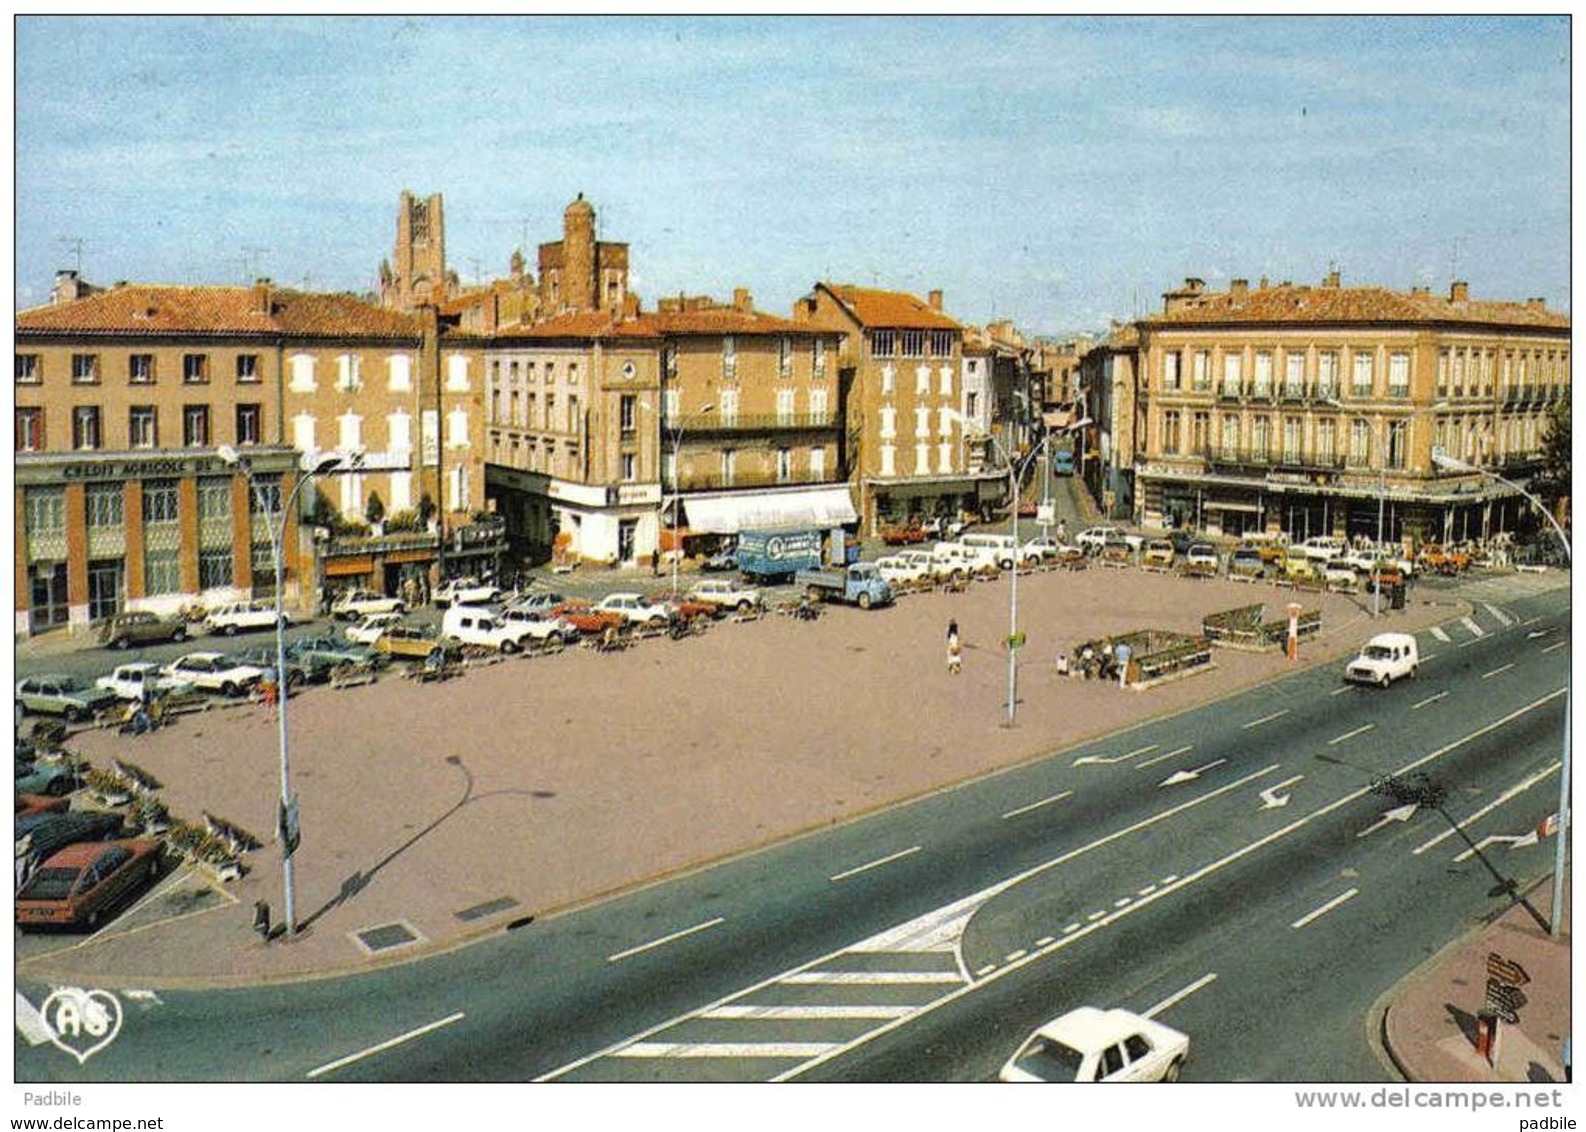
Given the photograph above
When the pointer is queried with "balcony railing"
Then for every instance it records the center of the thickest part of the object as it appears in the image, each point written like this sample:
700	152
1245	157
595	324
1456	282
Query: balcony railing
1267	458
716	424
715	481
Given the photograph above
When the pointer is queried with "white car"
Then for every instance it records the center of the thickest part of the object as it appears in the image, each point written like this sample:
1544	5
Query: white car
369	628
1043	546
1095	539
899	570
726	594
1339	574
1320	547
237	616
552	632
465	591
635	607
1386	658
214	672
355	604
471	625
1365	559
128	681
1091	1044
1201	555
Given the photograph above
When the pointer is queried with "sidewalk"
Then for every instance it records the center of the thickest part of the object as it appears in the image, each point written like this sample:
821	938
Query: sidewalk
1429	1023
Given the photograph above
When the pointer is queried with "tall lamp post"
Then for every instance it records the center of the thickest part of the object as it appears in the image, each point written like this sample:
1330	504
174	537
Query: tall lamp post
676	430
1453	465
287	828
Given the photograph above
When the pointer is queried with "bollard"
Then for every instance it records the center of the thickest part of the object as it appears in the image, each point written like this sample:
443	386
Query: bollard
1486	1036
261	918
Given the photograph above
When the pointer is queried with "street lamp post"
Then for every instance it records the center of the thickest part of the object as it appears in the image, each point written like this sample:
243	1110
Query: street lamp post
677	499
1560	852
276	530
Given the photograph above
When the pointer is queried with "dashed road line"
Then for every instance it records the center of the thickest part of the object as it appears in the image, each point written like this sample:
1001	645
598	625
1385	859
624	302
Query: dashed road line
778	1013
871	978
1351	734
777	1050
1503	618
1429	700
1180	995
665	940
1265	719
1344	691
1559	645
389	1043
1325	908
1038	805
1497	671
876	864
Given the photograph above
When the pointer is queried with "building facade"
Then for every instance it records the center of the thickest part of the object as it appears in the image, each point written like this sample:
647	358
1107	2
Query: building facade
1315	410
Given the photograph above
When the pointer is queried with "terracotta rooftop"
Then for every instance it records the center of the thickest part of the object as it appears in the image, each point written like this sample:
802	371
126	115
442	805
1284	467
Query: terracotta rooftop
893	310
143	309
1289	303
583	324
725	320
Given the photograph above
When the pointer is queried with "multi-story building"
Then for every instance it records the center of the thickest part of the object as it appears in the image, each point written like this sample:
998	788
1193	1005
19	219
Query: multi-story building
902	360
1106	446
1313	410
124	395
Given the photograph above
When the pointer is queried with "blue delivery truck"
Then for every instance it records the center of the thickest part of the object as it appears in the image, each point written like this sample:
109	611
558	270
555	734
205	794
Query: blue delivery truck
777	554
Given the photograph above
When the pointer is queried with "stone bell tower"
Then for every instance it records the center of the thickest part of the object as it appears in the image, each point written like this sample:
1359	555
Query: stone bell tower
417	273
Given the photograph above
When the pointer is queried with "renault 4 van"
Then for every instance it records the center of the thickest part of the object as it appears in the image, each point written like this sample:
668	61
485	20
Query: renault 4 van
1386	658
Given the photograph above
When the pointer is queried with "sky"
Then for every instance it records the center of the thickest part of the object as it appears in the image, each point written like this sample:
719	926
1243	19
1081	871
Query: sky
1059	172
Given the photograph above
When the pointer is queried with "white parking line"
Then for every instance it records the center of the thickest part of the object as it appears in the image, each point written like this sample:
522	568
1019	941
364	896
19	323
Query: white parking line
665	939
1428	700
876	864
1513	792
1470	624
1038	805
1179	996
1351	734
1325	908
1265	719
1503	618
1496	671
331	1066
1440	633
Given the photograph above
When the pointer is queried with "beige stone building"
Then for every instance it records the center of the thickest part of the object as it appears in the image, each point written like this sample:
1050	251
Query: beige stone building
1312	410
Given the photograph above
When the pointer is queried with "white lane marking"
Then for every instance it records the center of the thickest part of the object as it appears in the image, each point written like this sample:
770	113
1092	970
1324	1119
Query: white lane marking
1428	700
339	1063
1096	915
1475	629
1038	805
1163	758
1105	760
1070	928
1015	956
1351	734
1147	890
1532	620
1325	908
1440	633
1496	671
1515	841
1467	644
30	1023
1559	645
1426	656
1344	691
773	1013
1513	792
1265	719
726	1049
665	940
876	864
1503	618
877	978
1121	901
1179	996
986	970
143	996
1173	885
1170	878
1044	940
1271	799
1179	776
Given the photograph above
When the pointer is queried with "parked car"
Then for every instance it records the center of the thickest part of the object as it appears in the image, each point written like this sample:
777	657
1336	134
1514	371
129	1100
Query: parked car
589	621
1385	658
1159	552
409	642
299	670
41	840
550	630
54	779
328	651
1340	575
1041	548
722	560
1090	1044
1182	540
140	627
81	884
474	625
1247	562
634	608
62	695
1201	555
130	681
1320	548
1093	539
367	631
1302	570
465	591
1117	550
901	571
214	672
685	608
241	616
537	601
356	604
1028	508
725	594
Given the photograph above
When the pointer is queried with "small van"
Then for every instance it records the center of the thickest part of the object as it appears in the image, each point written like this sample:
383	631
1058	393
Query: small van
1385	658
471	625
990	551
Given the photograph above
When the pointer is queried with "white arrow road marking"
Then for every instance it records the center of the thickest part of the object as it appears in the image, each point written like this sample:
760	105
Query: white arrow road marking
142	996
30	1023
664	940
1179	996
1103	760
1440	633
1038	805
1270	799
1513	792
1428	700
390	1043
876	864
1503	618
1265	719
1398	813
1496	671
1350	734
1535	633
1516	842
1173	754
1179	776
1325	908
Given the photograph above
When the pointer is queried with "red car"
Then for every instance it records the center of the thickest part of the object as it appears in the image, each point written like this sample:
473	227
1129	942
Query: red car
78	885
1028	509
687	608
582	614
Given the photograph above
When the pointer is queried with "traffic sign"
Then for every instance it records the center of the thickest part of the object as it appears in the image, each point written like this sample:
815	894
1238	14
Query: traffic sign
1506	970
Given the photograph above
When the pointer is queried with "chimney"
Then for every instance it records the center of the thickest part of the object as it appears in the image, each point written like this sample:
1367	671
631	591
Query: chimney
1423	292
67	287
935	299
1537	303
742	300
1332	278
1239	288
1263	283
261	296
1459	291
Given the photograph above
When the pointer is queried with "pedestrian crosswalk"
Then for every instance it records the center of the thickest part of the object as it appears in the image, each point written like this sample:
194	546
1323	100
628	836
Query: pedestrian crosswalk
1485	619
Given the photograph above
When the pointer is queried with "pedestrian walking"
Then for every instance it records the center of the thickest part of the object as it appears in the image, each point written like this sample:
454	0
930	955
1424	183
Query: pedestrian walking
952	628
1122	652
1062	664
955	656
655	563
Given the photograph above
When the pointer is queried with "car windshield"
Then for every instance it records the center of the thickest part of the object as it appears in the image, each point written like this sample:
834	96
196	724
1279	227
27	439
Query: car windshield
1050	1060
49	884
1378	652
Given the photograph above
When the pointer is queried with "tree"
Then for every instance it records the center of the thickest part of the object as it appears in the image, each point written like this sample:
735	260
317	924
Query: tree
1552	481
375	511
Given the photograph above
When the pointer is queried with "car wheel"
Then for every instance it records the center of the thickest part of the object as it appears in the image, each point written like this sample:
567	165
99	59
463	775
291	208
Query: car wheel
59	786
555	643
91	920
657	622
1173	1070
1415	671
121	643
75	715
230	630
295	679
744	606
509	647
864	601
1384	681
180	634
228	689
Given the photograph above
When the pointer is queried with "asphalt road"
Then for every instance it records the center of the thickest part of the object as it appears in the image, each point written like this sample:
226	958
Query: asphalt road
922	943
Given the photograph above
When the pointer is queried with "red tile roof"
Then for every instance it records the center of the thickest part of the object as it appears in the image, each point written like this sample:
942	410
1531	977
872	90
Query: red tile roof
889	309
144	309
1288	303
583	324
726	320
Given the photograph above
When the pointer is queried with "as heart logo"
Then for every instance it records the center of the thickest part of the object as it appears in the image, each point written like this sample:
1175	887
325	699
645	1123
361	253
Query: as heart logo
82	1022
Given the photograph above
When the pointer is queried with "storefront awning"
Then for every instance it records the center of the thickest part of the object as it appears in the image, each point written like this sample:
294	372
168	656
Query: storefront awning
1223	505
728	514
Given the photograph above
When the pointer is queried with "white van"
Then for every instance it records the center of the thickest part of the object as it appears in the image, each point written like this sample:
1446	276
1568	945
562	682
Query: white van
990	551
1385	658
471	625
